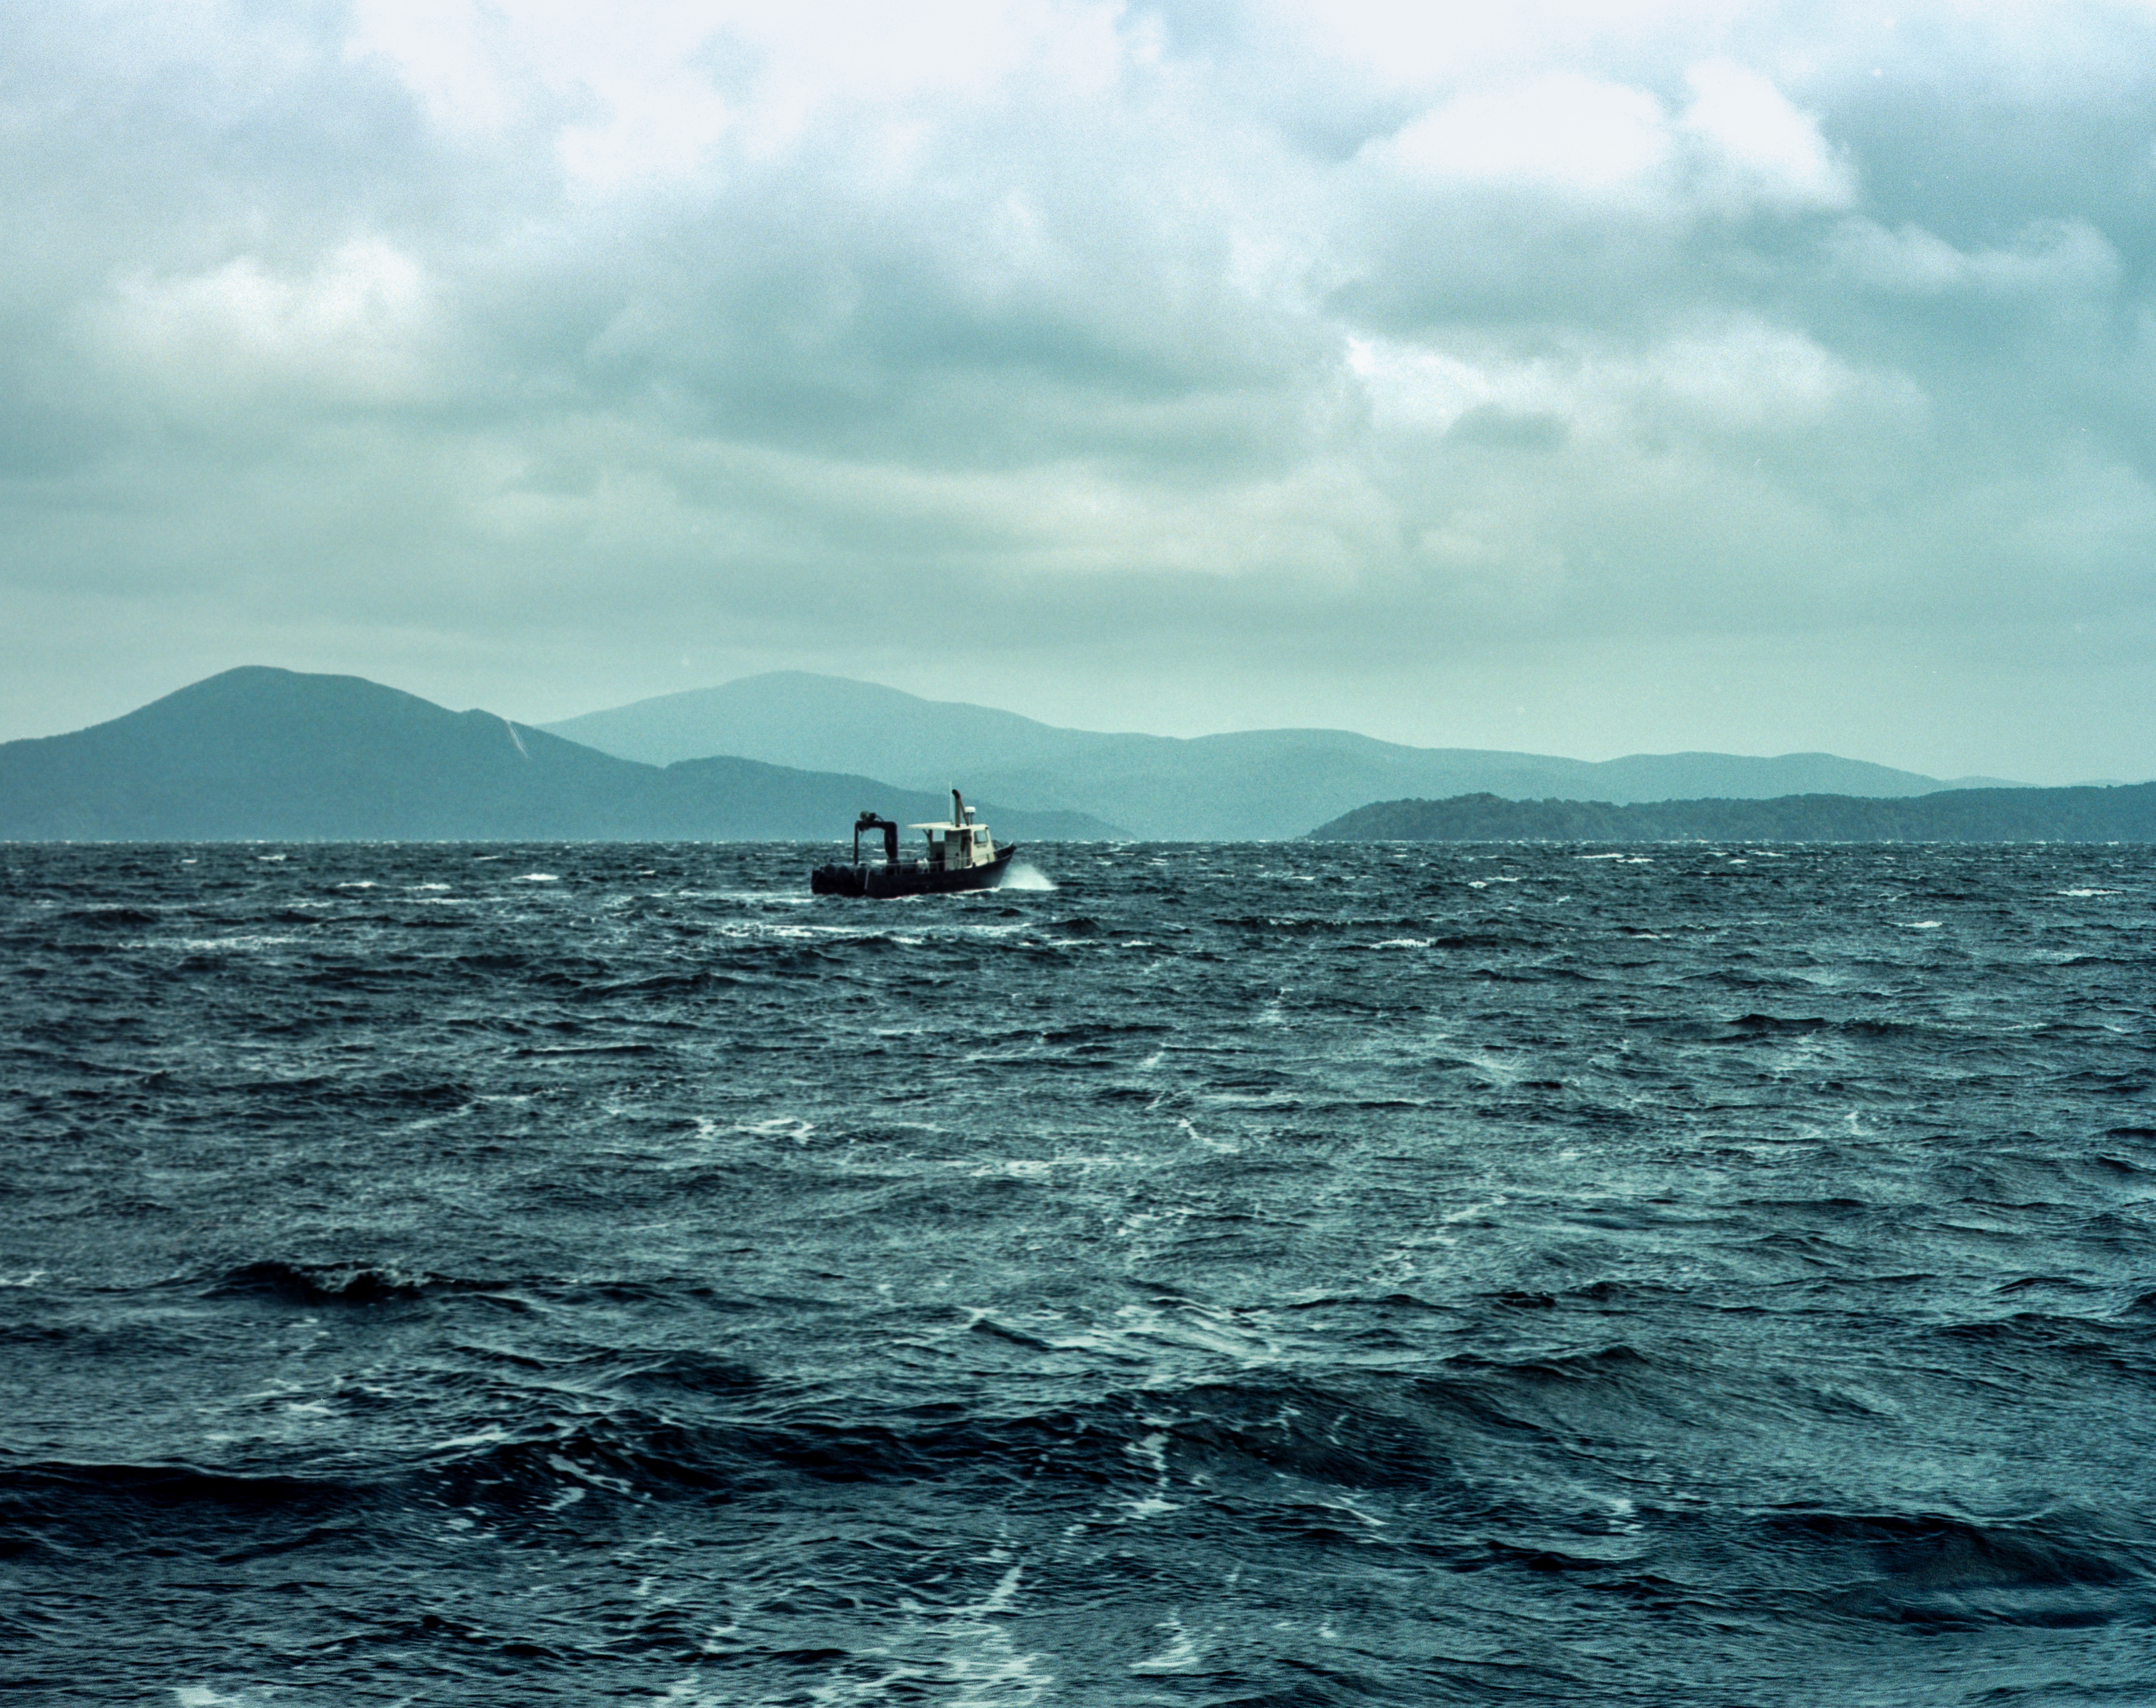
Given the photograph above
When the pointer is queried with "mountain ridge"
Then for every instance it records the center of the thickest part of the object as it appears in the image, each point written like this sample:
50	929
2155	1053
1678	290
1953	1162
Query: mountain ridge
263	753
2120	813
1232	786
259	753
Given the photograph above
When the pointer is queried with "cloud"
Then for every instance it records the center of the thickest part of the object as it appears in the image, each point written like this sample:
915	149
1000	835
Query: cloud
1754	148
1570	136
1590	144
2052	258
351	329
1301	339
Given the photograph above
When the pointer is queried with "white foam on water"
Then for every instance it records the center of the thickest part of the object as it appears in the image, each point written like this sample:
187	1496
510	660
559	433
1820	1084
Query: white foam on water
778	1126
536	878
1024	1168
2088	892
1470	1213
1180	1653
998	1599
1225	1147
980	1667
1021	876
1151	1451
489	1436
570	1468
844	1691
1001	1677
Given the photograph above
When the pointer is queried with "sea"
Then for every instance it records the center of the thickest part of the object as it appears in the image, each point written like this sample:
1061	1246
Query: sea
1267	1274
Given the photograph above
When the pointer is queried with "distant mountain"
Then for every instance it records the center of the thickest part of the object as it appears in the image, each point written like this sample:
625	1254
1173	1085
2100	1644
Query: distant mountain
825	723
2118	814
1256	784
274	754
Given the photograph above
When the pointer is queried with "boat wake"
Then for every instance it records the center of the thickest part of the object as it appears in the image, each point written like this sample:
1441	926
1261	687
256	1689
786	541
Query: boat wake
1021	876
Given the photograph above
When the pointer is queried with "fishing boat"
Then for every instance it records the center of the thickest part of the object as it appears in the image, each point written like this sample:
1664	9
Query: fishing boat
960	855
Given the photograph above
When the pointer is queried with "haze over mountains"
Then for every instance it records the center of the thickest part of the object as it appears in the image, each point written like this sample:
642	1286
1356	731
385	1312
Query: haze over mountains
1252	784
274	754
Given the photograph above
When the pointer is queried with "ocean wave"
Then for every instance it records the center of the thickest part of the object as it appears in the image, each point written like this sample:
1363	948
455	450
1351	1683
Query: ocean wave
636	1285
336	1283
2064	1568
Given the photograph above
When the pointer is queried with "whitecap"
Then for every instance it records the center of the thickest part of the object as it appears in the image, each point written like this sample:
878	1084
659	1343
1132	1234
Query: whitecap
778	1126
570	1468
1011	1168
998	1599
1180	1653
1151	1451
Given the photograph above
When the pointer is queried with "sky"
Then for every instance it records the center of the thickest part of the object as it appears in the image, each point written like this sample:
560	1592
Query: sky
1582	379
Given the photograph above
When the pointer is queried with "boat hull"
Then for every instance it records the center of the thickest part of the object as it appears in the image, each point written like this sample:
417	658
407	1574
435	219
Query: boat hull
909	878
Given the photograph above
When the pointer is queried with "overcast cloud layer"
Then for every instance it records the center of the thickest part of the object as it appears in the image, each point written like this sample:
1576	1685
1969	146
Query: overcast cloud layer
1556	377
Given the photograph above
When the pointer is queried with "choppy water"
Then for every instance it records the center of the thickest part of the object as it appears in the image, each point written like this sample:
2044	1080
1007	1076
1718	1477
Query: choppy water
1256	1275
